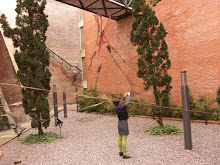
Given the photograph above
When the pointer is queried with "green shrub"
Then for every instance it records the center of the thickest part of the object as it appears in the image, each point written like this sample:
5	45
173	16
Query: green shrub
215	114
165	130
4	123
176	110
200	105
167	112
144	107
173	110
154	2
139	106
192	103
216	111
35	138
218	96
86	102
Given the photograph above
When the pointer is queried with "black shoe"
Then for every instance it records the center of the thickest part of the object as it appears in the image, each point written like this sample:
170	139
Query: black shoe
126	157
120	153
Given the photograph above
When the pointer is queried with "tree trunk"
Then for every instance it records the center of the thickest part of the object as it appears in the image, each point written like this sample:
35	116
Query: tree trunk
40	130
157	100
160	119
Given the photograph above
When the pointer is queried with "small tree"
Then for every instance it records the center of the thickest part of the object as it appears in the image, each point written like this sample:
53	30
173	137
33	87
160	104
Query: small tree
154	2
32	58
148	35
218	96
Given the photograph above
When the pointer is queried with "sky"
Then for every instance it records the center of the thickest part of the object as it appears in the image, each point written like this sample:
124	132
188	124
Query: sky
8	8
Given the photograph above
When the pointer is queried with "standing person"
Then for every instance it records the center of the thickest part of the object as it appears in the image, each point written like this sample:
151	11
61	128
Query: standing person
122	124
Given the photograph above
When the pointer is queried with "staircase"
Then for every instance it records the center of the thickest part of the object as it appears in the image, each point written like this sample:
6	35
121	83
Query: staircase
74	69
63	74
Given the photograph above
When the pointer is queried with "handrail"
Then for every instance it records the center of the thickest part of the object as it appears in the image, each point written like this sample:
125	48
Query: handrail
71	66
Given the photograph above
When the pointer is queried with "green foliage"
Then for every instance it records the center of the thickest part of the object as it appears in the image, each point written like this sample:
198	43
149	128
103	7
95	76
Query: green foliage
148	34
176	111
165	130
215	114
4	123
192	103
144	107
218	96
216	111
32	58
49	137
173	110
138	107
86	102
199	105
154	2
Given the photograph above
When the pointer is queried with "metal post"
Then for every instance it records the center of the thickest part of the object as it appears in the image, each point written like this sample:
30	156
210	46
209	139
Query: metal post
206	122
76	90
186	113
55	104
64	102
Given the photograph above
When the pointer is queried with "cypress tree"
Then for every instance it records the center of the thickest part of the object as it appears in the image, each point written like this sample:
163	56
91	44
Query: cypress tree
218	96
32	58
148	35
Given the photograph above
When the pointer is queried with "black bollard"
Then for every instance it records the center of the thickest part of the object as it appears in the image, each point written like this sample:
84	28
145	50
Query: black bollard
64	102
55	104
186	112
60	123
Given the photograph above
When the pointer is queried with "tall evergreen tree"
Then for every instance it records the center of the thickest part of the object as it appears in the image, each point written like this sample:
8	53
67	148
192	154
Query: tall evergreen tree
148	35
32	58
218	96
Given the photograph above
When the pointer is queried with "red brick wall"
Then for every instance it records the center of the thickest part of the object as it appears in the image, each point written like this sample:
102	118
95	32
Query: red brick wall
61	77
193	43
7	75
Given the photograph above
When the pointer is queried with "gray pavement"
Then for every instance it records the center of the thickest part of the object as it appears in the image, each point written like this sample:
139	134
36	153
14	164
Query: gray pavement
92	139
8	135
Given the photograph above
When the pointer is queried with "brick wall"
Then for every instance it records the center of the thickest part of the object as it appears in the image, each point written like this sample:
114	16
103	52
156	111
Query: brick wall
193	43
62	38
193	40
63	31
62	77
7	75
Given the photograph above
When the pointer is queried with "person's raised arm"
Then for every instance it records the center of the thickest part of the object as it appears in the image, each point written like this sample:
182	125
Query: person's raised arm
129	99
123	98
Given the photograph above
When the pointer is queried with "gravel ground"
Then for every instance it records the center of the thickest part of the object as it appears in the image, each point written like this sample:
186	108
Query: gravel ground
91	139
